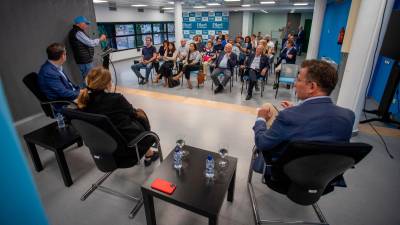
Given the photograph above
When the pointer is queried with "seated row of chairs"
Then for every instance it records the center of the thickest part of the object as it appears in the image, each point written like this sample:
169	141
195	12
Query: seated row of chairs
304	172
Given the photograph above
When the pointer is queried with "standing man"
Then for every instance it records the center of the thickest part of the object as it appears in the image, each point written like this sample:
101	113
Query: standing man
300	40
149	54
82	46
225	63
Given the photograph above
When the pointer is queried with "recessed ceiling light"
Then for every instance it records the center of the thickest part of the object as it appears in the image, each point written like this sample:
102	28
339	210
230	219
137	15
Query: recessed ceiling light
171	3
246	5
300	4
264	11
168	8
99	1
138	5
199	7
213	3
232	0
267	3
292	11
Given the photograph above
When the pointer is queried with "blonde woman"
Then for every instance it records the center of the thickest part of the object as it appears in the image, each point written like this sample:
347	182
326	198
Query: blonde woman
130	122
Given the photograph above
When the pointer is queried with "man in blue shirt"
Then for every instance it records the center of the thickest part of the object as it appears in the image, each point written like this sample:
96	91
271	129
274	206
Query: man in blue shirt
82	46
149	54
316	118
52	80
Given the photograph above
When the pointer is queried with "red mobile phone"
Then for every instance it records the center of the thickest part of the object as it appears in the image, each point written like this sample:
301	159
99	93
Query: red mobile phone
163	186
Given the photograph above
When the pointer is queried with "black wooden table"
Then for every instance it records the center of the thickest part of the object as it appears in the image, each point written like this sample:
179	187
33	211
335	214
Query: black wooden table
52	138
194	191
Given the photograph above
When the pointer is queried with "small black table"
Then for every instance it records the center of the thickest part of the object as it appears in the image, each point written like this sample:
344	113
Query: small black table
194	191
52	138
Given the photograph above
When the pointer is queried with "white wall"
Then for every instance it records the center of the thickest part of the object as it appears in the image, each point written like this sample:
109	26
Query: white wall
129	14
267	22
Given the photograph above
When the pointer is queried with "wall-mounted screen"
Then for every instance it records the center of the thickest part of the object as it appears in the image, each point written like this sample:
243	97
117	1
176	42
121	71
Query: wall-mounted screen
124	29
159	27
171	28
159	38
143	28
171	37
125	42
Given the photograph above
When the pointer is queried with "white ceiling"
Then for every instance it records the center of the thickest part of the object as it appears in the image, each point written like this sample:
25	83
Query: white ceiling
279	6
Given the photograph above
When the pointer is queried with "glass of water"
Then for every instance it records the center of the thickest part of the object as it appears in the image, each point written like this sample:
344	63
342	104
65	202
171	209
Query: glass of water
180	142
223	162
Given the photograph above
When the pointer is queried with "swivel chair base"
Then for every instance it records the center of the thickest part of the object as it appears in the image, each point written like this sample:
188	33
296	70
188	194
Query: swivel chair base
258	220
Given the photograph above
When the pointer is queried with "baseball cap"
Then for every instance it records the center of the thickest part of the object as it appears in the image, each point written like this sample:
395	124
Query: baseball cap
81	19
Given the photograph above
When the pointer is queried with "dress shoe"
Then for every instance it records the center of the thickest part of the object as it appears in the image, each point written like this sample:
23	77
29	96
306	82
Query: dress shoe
257	87
219	89
248	97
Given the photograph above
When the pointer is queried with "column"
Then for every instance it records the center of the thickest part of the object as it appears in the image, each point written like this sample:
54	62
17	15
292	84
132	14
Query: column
361	55
316	28
247	24
178	23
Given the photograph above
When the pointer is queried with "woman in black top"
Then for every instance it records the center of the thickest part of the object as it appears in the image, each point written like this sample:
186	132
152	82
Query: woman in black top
168	65
160	55
130	122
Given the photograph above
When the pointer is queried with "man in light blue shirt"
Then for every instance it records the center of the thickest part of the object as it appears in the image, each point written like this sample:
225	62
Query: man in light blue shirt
225	63
82	46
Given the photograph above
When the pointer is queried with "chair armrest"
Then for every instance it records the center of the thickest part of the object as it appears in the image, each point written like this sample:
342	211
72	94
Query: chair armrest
141	136
58	101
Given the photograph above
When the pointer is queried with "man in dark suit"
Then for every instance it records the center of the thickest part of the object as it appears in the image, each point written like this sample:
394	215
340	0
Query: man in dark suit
256	65
316	118
300	40
225	63
52	80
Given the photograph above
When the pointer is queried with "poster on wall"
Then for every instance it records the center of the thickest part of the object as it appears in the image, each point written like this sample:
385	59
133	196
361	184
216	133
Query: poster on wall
205	24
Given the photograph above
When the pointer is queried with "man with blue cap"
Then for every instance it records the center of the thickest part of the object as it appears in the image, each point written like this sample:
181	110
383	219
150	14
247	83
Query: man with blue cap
82	46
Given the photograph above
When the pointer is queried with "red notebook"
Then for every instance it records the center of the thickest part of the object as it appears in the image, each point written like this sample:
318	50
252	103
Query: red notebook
163	186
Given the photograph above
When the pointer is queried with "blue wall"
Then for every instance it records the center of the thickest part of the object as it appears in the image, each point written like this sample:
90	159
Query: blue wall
20	203
335	18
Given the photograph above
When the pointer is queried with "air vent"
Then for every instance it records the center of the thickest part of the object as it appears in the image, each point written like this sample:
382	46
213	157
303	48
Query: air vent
112	6
140	10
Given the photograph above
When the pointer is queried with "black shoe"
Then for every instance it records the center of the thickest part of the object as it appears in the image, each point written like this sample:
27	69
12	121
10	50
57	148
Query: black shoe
145	81
149	160
287	86
141	80
219	89
275	86
248	97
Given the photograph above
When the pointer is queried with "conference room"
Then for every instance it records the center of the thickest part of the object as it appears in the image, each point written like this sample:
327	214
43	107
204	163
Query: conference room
183	112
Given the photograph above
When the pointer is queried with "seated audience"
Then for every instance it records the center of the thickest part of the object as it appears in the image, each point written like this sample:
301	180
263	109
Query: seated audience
255	66
208	57
218	47
166	68
182	53
160	55
235	48
225	63
315	118
287	55
191	64
130	122
149	54
52	80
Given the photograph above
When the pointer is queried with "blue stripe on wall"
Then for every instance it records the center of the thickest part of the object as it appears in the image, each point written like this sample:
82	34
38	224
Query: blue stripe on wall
20	203
335	18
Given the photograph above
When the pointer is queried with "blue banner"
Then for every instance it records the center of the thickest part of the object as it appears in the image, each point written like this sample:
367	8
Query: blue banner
204	23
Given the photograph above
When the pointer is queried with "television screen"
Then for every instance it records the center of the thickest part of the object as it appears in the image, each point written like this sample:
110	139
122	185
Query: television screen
171	37
159	27
145	28
158	38
124	29
125	42
171	27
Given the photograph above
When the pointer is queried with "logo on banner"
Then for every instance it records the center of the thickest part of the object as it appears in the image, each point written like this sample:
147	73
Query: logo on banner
199	32
204	18
201	25
217	25
192	19
187	26
186	32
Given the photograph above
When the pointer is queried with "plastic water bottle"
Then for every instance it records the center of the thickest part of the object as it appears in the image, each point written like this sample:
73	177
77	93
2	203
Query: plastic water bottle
177	158
209	167
60	120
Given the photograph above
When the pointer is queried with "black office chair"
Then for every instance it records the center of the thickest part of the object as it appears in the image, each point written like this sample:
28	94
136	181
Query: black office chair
305	171
31	82
107	147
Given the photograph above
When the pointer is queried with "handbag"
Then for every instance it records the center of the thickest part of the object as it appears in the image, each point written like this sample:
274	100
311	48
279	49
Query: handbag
201	77
173	83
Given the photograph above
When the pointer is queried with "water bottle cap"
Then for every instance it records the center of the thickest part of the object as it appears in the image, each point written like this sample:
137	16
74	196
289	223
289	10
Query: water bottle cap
209	157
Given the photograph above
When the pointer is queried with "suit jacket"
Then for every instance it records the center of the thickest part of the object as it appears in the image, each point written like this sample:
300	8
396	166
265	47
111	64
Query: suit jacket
121	113
54	85
292	51
231	62
263	61
313	120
